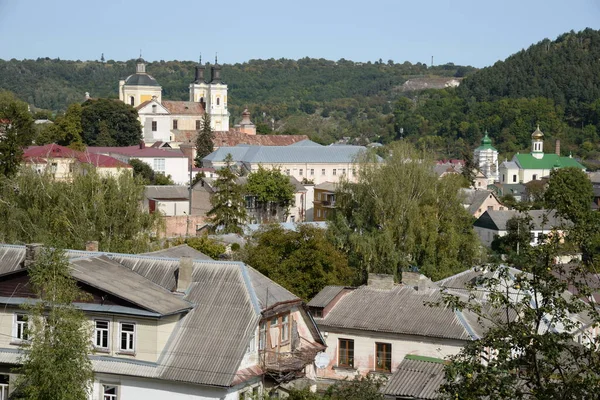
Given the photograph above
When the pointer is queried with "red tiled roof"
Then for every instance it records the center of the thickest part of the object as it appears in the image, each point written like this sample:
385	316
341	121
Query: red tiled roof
142	105
39	154
233	138
135	151
183	107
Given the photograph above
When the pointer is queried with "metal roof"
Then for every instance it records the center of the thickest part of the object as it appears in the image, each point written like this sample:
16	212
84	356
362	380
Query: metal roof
183	250
141	80
305	142
475	198
541	219
325	296
288	154
112	277
417	378
399	310
167	192
548	161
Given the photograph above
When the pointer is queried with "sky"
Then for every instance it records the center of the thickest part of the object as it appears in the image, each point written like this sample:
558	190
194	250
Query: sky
467	32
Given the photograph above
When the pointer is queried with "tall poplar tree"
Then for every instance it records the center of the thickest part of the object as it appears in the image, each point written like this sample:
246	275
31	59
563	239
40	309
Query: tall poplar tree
228	210
55	362
16	131
204	140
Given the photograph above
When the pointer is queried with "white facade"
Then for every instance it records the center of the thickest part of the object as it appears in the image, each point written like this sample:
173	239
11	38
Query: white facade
487	236
486	159
177	167
156	122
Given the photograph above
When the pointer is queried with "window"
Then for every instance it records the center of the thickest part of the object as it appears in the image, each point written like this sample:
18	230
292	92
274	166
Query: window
319	212
334	171
501	208
490	208
344	171
252	345
514	178
346	353
127	337
353	171
4	387
383	357
285	327
174	124
287	171
154	126
262	336
312	171
300	172
197	124
503	178
131	100
323	171
159	165
109	392
534	177
101	334
21	327
218	100
153	108
317	313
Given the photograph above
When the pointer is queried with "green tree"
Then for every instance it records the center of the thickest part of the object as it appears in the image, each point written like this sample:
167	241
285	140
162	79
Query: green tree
399	215
35	208
359	388
538	341
121	121
302	261
273	193
470	168
228	211
16	132
517	238
203	244
204	140
146	174
55	364
570	193
66	129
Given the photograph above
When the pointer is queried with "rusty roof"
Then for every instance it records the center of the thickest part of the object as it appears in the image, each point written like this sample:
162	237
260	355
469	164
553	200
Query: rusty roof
233	138
183	107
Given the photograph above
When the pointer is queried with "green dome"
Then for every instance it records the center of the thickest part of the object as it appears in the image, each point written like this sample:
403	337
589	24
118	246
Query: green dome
486	143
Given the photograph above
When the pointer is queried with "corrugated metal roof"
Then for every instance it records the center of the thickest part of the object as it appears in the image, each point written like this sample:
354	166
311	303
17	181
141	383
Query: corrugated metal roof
416	379
183	250
541	219
112	277
167	192
325	296
399	310
268	292
288	154
234	138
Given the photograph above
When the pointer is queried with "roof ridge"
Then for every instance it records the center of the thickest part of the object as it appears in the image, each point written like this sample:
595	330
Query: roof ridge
416	357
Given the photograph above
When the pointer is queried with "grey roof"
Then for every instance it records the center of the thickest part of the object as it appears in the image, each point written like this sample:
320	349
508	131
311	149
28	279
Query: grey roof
416	378
399	310
209	342
167	192
474	198
141	79
509	165
183	250
111	277
306	142
288	154
325	296
440	169
249	229
541	219
329	186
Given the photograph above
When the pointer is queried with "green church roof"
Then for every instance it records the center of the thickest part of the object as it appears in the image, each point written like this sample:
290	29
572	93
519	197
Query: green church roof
548	161
486	143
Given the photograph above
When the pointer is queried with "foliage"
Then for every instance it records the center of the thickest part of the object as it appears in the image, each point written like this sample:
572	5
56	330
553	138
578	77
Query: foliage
228	210
399	216
109	122
365	388
272	190
65	131
518	236
16	132
35	208
569	192
302	261
468	171
535	345
56	363
146	174
204	140
203	244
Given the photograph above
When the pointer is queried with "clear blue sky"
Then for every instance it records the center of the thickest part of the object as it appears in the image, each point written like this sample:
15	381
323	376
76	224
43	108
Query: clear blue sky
468	32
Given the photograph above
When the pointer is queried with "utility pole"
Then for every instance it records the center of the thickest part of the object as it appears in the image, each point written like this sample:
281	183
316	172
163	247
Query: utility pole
190	191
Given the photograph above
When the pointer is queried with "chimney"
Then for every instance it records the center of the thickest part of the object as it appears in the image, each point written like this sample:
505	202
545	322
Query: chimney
558	147
184	274
381	281
142	144
32	251
417	281
91	245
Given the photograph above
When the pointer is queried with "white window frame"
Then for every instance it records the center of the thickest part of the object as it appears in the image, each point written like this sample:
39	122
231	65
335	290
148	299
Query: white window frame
4	387
252	344
20	331
262	335
96	330
134	334
312	172
157	163
285	327
105	396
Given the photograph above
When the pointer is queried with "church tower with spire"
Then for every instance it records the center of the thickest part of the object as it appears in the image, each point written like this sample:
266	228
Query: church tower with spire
212	95
486	159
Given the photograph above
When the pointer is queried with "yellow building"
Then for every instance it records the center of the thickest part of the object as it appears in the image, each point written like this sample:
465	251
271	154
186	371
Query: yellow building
324	202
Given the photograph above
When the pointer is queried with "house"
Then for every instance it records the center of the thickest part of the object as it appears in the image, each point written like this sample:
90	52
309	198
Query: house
524	168
517	190
172	328
63	163
417	378
162	161
476	202
492	224
372	328
324	201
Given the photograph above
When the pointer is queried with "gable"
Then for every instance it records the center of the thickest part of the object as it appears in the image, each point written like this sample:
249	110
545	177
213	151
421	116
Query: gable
487	222
147	108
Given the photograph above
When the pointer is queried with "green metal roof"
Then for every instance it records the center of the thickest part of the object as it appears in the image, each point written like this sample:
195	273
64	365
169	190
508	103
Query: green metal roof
548	161
486	143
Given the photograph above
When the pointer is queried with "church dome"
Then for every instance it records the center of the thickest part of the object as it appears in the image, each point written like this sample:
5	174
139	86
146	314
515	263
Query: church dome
537	134
486	139
141	80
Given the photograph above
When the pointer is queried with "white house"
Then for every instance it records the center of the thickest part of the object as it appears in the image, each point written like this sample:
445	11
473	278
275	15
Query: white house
171	328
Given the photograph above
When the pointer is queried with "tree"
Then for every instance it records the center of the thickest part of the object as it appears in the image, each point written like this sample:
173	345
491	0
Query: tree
204	140
55	364
228	212
470	168
570	193
203	244
518	236
538	341
35	208
273	193
16	131
122	124
302	261
399	216
66	129
146	174
359	388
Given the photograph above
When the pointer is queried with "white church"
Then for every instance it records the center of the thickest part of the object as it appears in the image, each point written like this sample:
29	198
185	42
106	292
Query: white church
176	122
